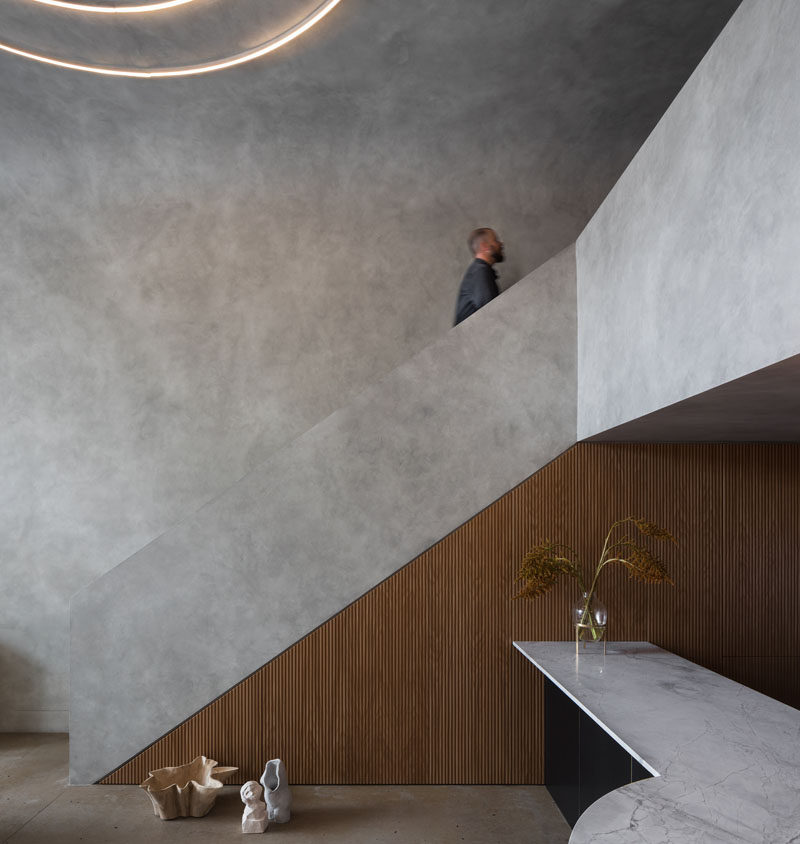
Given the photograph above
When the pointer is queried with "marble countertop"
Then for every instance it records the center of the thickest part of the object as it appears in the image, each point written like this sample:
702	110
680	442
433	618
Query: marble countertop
727	758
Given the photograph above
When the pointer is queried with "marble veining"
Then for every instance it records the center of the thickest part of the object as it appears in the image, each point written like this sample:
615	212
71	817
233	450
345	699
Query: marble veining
727	758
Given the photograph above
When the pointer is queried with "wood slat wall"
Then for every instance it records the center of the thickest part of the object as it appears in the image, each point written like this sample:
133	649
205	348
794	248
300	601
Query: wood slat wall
417	681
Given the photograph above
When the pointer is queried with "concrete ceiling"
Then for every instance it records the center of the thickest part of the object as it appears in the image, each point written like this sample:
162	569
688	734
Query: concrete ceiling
763	406
635	46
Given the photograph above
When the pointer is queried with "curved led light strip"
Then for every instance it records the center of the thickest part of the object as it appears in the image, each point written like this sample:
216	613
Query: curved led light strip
240	58
115	10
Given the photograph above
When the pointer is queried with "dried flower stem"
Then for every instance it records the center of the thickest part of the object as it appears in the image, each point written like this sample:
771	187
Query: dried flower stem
545	563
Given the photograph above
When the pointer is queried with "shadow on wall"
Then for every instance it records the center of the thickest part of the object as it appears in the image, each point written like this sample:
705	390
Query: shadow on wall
22	693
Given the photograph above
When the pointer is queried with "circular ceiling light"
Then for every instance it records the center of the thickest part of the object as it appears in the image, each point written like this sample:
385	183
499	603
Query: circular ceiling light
269	46
114	10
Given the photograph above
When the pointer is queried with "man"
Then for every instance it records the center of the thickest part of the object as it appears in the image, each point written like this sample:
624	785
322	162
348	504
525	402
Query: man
479	284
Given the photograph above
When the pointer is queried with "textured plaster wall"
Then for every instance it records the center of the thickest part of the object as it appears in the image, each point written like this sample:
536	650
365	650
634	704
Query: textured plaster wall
688	272
323	521
195	272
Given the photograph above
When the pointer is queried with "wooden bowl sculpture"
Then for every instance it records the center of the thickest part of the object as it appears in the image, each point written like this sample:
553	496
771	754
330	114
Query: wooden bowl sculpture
186	791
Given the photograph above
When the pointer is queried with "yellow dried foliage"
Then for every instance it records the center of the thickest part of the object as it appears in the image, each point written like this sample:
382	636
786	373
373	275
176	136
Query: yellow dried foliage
542	566
653	530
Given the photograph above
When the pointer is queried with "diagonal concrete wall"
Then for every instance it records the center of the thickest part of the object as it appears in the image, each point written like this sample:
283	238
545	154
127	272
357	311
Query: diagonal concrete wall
688	271
323	521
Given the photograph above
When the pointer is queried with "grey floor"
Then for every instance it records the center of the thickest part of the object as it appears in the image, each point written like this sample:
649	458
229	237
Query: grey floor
37	807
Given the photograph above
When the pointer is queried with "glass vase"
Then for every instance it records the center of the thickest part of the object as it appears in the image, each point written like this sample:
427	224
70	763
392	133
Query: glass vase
589	618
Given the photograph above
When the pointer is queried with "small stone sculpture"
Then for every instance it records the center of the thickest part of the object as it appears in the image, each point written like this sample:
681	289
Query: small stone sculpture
254	817
276	789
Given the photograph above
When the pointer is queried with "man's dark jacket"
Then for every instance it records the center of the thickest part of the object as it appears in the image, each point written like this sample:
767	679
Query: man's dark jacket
478	287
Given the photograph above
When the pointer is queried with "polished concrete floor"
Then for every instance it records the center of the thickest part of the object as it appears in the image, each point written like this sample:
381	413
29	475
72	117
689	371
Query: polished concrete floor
38	807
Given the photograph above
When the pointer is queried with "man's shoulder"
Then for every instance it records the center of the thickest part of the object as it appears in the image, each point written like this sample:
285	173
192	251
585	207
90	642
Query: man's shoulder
479	270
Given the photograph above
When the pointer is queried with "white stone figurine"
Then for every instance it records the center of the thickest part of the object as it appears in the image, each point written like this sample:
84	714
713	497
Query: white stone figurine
276	788
254	817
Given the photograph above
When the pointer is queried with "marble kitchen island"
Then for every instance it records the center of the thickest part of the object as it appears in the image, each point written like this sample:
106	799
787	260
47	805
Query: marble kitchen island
727	758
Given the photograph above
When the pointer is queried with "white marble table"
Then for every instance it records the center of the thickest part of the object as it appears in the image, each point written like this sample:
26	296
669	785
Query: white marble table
727	758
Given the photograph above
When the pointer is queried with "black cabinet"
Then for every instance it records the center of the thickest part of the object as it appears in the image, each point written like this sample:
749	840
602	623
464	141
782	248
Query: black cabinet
581	760
562	751
603	764
638	771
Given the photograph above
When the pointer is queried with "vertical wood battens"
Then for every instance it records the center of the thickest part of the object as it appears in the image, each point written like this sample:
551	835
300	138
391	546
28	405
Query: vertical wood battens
416	682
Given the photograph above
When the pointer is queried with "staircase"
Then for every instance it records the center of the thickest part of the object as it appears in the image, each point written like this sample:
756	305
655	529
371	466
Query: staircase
324	521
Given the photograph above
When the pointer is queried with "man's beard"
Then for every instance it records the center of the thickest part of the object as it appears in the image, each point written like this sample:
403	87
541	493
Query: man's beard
498	256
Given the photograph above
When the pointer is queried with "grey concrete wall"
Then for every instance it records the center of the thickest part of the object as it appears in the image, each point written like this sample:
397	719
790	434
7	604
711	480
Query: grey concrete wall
323	521
195	272
688	271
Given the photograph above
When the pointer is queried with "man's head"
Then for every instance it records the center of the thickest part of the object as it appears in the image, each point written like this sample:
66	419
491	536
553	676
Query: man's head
486	245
